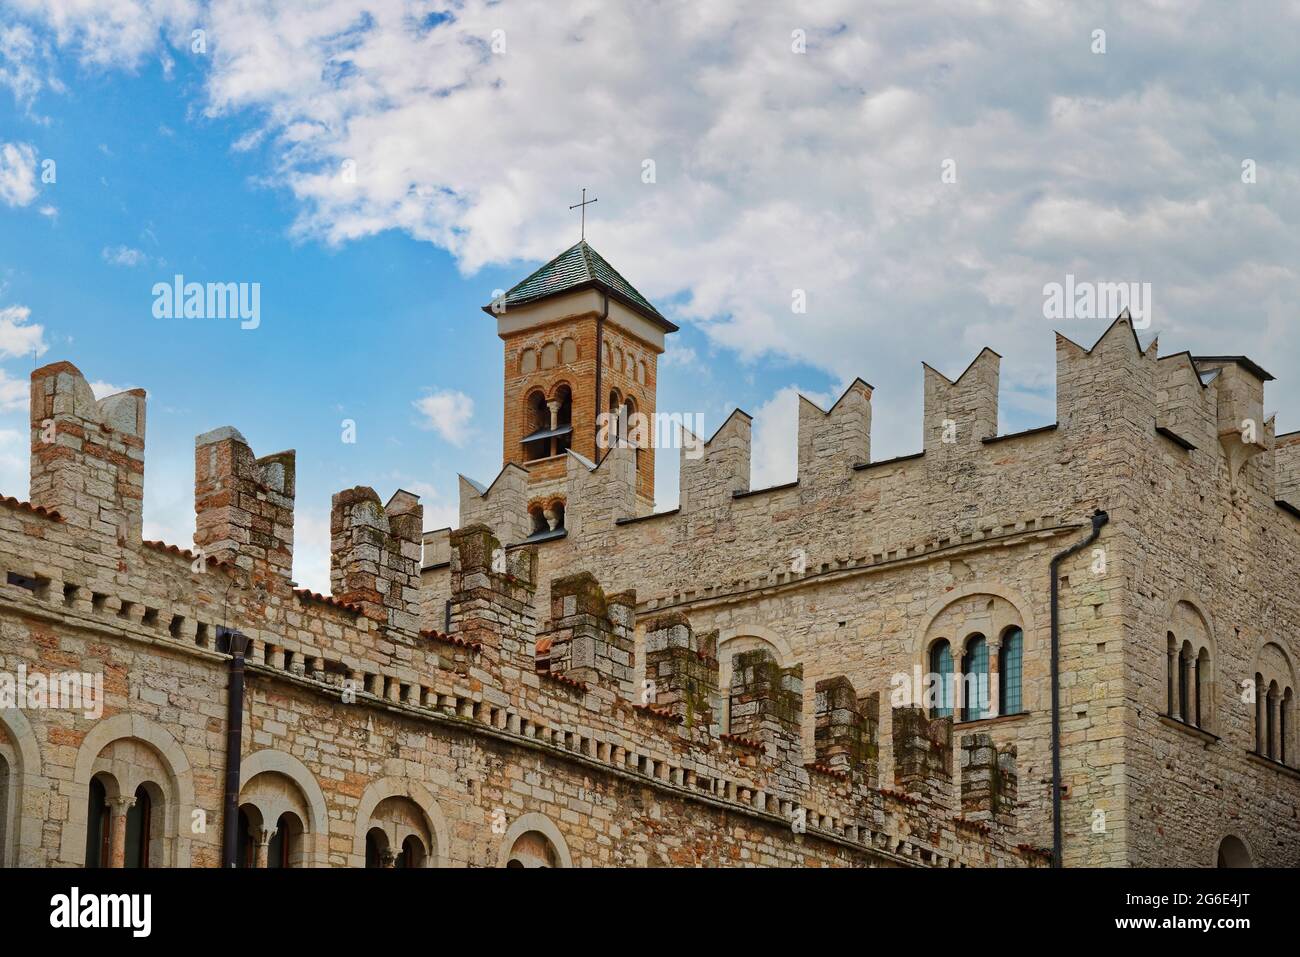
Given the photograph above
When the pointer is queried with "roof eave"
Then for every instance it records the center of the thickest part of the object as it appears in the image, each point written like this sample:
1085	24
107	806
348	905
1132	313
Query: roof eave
650	315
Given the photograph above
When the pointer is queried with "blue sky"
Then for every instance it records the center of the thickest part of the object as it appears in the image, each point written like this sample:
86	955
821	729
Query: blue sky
472	125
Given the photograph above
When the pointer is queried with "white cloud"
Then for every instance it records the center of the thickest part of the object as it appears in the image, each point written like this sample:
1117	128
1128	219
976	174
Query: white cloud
15	394
447	412
20	53
123	256
774	451
102	389
17	337
779	171
17	174
114	33
14	460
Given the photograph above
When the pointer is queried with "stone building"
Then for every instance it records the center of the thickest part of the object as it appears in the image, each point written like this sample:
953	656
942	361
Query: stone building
853	669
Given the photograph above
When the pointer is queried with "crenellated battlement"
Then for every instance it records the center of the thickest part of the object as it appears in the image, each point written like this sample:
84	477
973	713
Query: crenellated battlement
557	643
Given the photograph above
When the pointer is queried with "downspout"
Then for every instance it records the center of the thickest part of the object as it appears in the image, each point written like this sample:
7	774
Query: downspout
1099	518
234	746
600	363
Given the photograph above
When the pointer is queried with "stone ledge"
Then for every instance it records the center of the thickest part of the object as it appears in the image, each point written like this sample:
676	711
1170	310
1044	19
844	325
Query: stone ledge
996	720
1275	765
1207	736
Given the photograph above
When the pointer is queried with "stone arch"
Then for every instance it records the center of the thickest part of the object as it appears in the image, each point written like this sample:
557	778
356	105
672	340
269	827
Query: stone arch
390	787
316	824
732	641
1014	598
1194	665
542	825
179	791
1274	669
988	609
22	839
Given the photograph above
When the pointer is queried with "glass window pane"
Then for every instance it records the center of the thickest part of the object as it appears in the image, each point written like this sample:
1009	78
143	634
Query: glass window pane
1009	672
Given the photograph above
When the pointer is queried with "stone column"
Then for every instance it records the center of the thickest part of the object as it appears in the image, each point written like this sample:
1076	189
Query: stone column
1171	689
554	407
1272	726
263	844
995	677
1192	690
117	838
958	686
1259	716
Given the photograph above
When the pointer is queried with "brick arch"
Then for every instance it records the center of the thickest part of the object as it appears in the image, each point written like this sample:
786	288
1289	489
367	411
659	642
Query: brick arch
270	761
542	825
417	793
22	838
179	798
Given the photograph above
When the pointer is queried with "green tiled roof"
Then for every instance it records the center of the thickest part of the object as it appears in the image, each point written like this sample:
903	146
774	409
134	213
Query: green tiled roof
580	267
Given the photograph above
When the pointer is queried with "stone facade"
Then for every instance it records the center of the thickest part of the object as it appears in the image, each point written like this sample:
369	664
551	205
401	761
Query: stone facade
523	736
743	680
860	567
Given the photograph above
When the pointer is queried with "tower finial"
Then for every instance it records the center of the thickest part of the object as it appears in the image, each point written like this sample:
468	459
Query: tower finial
583	206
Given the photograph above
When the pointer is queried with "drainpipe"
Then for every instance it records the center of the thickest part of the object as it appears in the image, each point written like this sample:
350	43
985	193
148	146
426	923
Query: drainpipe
600	363
1099	518
234	745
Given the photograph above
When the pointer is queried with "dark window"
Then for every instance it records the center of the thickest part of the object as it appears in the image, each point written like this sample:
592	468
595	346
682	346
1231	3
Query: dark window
97	825
975	674
941	675
1009	672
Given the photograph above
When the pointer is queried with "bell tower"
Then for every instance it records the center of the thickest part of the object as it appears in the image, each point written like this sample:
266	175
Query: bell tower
579	341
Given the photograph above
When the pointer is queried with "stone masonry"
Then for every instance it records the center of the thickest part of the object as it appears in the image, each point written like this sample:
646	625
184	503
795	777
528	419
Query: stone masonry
569	678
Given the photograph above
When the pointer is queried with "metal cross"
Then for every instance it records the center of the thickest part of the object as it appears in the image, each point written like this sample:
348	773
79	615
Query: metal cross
583	206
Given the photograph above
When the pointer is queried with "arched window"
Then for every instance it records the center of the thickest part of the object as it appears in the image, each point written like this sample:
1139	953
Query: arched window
941	678
1284	725
245	852
4	808
1010	700
412	853
1270	733
1184	666
1260	695
537	518
563	419
975	674
631	425
1233	853
97	825
377	853
537	418
139	819
1203	703
532	849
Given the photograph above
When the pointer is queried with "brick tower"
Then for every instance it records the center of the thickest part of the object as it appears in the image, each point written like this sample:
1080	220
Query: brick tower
579	341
